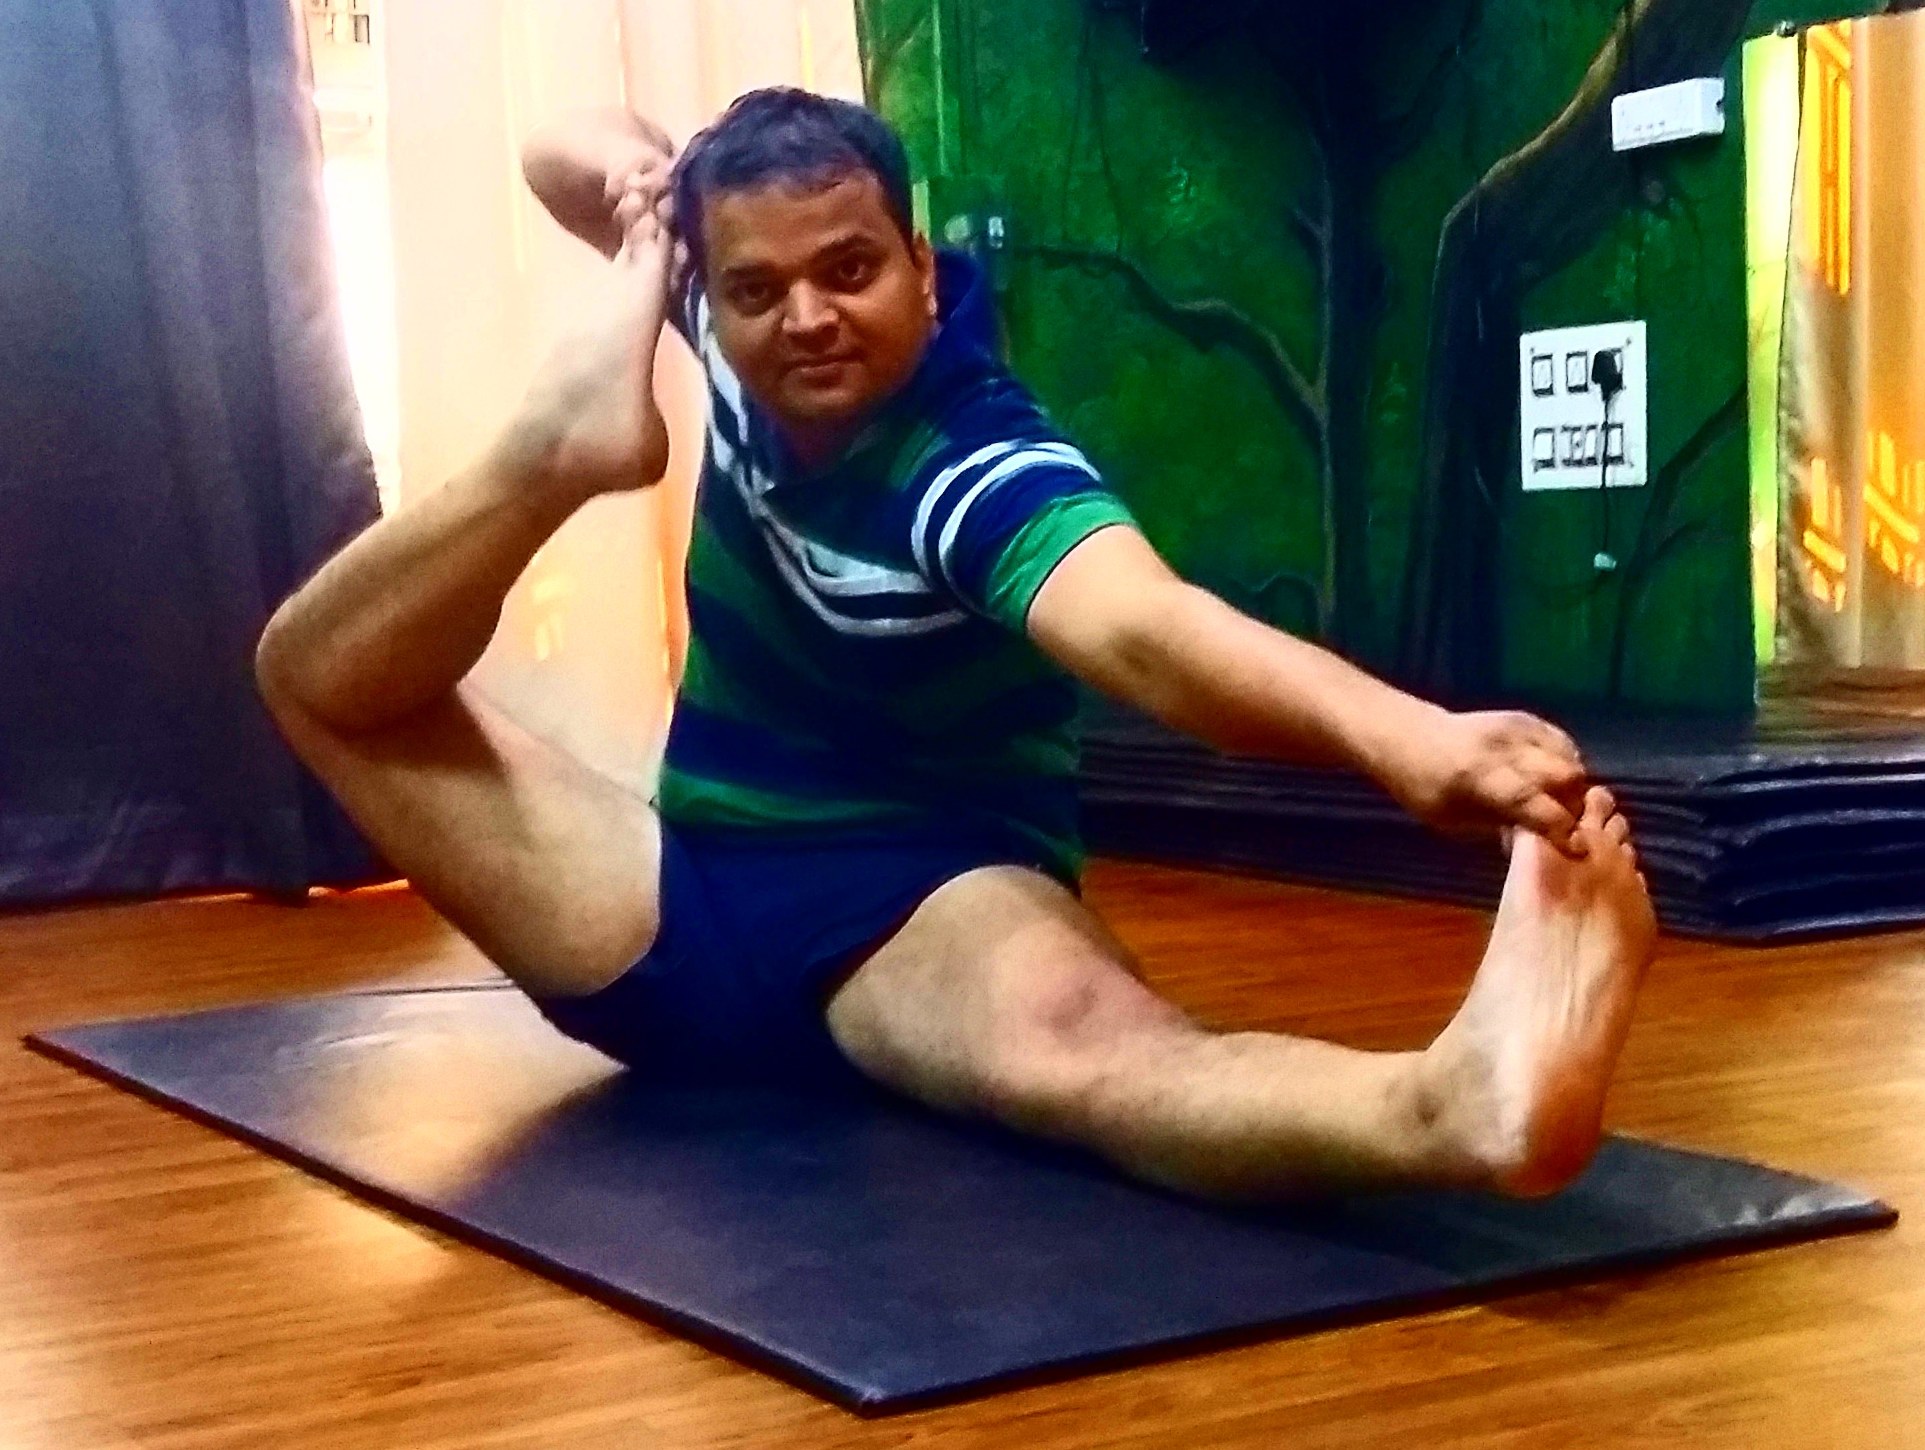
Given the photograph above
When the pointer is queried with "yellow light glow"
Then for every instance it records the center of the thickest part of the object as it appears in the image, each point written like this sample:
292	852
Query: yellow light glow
1888	516
1824	551
1841	197
1892	522
1825	159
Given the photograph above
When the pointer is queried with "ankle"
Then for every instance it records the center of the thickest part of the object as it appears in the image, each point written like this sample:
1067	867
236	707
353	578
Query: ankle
1457	1113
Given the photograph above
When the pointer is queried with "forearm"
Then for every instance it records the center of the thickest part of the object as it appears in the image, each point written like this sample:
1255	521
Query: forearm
1246	688
1114	615
397	618
568	165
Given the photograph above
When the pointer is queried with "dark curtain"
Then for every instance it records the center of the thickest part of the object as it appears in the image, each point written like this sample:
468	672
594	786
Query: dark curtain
179	445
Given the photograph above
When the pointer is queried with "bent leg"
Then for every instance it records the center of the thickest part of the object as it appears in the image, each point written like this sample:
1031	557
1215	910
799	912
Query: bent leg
1003	996
551	868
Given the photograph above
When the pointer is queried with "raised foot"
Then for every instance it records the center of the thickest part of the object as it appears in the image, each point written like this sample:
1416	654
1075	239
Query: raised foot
590	418
1519	1077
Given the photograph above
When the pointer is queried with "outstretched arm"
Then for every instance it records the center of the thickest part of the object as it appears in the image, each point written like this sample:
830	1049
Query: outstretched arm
1116	616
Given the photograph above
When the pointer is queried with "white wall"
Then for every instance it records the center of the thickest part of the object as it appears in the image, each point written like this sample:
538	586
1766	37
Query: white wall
483	281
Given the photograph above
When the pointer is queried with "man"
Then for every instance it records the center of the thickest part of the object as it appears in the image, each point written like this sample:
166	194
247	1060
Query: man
863	848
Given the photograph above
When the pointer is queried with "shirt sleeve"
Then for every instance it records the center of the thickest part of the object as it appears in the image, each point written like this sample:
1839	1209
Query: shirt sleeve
991	529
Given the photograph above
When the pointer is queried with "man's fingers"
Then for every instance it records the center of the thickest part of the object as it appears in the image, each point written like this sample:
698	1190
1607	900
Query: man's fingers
1557	770
650	180
1556	775
1557	742
618	184
663	143
628	211
1551	819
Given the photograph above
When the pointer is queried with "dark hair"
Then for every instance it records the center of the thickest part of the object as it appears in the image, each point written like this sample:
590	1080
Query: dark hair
786	135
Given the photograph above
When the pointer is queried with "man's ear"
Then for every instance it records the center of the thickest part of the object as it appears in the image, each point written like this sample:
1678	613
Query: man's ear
925	256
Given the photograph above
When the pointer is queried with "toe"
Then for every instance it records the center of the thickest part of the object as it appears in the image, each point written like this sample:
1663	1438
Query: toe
1599	806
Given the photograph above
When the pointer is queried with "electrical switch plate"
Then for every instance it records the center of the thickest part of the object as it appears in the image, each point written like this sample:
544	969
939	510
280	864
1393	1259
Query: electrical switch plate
1568	439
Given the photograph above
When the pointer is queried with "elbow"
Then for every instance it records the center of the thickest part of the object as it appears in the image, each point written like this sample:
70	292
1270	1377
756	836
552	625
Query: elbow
1179	673
1151	668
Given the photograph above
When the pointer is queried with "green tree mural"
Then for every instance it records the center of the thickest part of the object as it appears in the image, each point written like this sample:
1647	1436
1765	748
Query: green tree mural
1263	260
1361	121
1536	210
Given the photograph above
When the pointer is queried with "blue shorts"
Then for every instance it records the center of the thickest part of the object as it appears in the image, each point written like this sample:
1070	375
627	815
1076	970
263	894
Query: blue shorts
758	930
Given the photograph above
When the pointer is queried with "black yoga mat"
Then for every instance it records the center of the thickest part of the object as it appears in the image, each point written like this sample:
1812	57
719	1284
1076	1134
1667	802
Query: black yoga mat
876	1254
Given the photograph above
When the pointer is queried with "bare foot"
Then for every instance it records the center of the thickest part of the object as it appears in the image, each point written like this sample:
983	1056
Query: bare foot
590	419
1521	1072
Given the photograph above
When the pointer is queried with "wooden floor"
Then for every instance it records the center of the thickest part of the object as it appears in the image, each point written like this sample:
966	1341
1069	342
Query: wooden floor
162	1286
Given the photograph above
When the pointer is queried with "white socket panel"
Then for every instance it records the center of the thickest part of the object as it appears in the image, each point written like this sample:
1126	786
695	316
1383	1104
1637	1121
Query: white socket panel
1568	440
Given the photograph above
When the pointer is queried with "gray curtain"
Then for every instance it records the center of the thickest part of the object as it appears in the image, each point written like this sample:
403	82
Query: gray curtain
179	445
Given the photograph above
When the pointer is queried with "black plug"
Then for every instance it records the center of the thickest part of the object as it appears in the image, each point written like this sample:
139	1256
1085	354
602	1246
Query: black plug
1607	374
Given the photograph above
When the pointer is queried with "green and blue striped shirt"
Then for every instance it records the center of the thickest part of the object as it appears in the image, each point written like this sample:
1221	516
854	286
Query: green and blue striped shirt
857	651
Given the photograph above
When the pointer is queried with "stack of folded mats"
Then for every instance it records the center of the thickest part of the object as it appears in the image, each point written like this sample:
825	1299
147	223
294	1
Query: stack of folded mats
1806	820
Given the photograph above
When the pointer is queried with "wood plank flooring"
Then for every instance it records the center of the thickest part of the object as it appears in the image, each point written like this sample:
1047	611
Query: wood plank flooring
164	1287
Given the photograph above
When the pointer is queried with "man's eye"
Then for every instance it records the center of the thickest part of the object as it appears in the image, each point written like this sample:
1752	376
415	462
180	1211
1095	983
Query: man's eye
853	272
754	296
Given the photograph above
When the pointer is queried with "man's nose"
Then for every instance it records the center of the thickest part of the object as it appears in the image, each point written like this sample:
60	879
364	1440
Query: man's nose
808	312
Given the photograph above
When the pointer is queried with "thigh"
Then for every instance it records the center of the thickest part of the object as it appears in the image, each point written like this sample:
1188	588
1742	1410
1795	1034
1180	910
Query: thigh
1001	994
551	868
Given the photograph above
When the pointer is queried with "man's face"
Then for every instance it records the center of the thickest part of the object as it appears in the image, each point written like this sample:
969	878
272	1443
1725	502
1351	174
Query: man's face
820	305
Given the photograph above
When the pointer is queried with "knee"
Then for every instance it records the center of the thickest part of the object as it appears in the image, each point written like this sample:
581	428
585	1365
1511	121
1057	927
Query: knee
1056	1055
273	659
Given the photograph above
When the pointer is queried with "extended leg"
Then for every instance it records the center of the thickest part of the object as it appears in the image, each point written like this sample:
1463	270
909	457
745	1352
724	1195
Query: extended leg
1004	996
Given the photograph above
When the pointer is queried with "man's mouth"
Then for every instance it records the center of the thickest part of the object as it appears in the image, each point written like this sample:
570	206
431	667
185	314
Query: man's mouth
821	369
